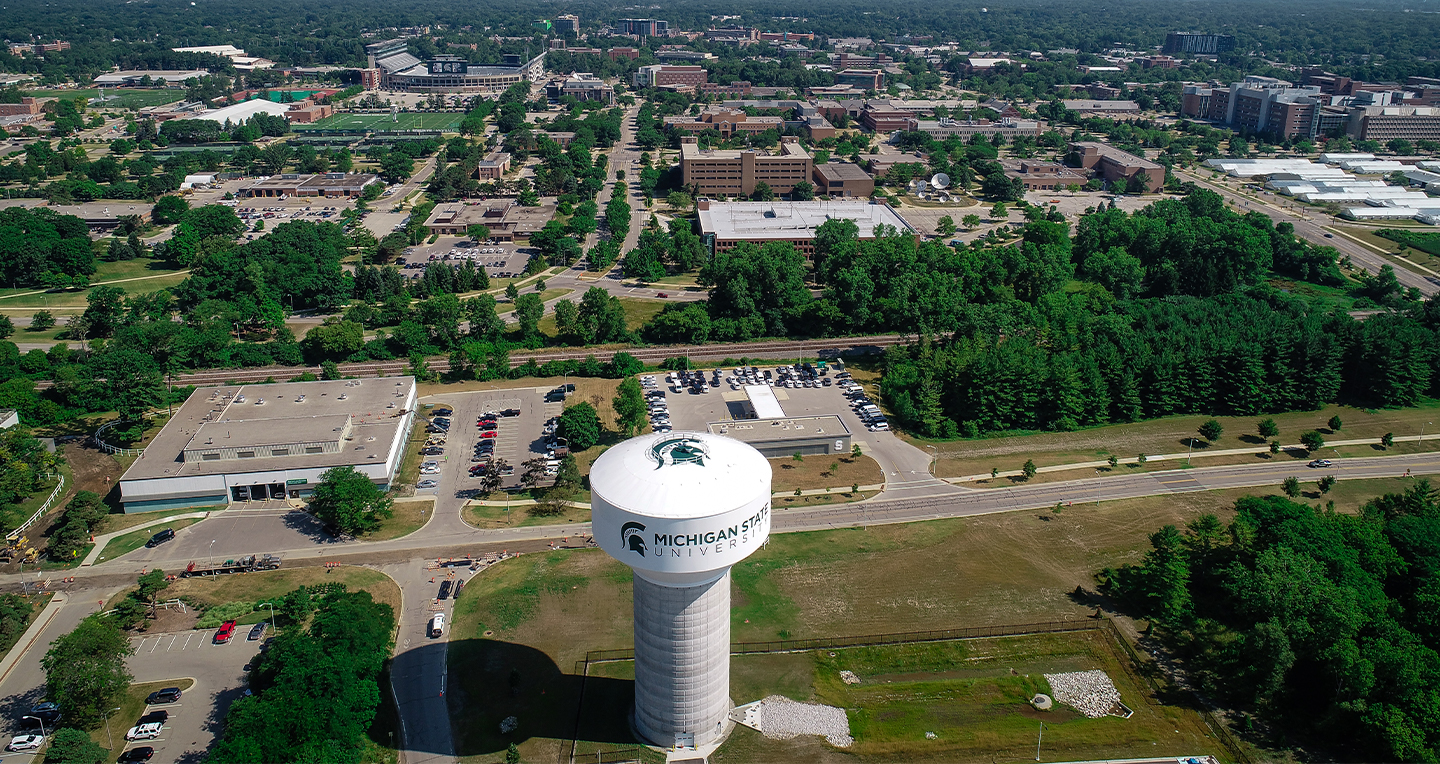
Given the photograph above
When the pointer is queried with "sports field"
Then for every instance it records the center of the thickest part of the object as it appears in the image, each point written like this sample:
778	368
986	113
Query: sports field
402	121
117	98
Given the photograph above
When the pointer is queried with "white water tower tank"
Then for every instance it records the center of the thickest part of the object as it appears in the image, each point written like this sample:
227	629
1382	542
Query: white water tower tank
680	509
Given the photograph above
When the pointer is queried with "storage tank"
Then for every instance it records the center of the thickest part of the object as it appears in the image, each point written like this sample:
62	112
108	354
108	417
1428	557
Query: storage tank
680	509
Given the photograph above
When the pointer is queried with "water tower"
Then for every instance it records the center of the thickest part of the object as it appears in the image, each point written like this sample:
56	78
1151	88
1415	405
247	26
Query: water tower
680	509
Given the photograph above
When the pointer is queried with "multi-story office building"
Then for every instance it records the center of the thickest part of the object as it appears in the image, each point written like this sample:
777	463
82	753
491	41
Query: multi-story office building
1200	44
736	173
643	27
664	75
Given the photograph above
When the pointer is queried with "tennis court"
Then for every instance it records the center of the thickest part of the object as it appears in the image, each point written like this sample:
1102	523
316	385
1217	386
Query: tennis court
402	121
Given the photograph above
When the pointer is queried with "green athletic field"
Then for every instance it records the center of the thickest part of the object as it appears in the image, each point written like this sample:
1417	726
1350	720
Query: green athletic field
117	98
402	121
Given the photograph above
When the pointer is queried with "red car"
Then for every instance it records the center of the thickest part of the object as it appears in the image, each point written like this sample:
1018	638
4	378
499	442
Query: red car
662	295
488	434
225	632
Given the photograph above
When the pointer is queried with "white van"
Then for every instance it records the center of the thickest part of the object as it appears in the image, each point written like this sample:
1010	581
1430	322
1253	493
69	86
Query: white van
437	625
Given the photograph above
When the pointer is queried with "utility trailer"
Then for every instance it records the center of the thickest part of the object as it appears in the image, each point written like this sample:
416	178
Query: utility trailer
246	564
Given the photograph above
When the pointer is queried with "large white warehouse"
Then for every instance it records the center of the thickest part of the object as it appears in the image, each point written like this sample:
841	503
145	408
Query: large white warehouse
271	441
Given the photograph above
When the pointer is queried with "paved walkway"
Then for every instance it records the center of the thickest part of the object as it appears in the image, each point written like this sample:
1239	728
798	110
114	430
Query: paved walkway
1206	453
31	635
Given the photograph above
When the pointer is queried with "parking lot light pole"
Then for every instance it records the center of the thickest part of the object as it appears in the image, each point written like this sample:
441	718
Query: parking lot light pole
212	553
108	735
270	605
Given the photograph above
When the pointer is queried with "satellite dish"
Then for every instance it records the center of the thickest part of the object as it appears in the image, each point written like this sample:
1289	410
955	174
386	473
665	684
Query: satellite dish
940	180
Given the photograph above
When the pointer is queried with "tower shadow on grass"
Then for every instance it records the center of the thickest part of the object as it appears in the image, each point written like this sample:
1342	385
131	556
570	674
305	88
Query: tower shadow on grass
497	680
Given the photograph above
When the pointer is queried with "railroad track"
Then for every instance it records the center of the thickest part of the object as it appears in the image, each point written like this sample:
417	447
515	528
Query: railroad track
769	349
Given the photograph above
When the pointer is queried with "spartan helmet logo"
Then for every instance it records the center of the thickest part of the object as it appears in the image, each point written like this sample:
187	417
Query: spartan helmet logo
633	536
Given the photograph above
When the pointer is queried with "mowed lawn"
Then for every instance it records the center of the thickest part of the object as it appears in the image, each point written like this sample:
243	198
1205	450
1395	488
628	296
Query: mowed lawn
1170	435
540	613
384	122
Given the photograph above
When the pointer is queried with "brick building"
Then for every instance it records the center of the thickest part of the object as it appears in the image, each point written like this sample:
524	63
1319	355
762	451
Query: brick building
618	53
842	179
869	79
736	173
727	122
1118	166
663	75
27	105
1046	176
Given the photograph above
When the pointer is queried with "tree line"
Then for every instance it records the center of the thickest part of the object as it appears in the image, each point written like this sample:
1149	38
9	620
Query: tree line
1319	625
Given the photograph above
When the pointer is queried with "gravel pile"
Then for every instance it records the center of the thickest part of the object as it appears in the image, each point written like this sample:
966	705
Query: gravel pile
782	718
848	677
1089	692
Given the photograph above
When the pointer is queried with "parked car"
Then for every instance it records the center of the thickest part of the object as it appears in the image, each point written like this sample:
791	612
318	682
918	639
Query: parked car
444	590
144	731
225	632
427	484
257	631
160	538
158	716
437	625
166	695
25	742
143	753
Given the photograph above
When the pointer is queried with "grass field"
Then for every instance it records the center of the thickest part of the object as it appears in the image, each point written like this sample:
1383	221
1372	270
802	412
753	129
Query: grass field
1392	248
406	518
1168	436
383	122
117	98
143	282
132	707
1017	567
258	587
484	516
118	522
815	472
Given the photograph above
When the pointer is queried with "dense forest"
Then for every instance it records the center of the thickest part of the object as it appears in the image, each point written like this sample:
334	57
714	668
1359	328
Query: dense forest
1324	626
139	35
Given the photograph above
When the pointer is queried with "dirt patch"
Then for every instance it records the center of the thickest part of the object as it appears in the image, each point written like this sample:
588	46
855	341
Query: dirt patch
824	472
170	621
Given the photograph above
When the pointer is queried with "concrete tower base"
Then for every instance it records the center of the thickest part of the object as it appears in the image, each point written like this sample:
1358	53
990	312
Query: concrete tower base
682	661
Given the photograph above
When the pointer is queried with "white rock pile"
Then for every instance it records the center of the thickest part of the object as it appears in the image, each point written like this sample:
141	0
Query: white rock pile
1089	692
848	677
782	718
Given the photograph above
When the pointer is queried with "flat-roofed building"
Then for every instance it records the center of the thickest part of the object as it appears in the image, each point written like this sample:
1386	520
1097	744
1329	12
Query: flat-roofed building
867	79
842	179
26	106
726	224
582	86
1046	176
506	218
1116	166
329	185
661	75
170	78
627	53
724	121
401	70
643	27
940	129
493	167
736	173
1103	108
780	437
271	441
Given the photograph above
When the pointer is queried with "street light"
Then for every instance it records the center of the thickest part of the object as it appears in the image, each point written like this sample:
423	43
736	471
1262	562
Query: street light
1037	741
270	605
212	553
108	735
38	719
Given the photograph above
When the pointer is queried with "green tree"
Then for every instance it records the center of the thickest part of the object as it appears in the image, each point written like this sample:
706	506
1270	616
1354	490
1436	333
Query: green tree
1211	430
1000	211
512	754
477	232
512	291
762	192
529	309
1274	446
629	405
169	209
971	221
1029	469
945	226
149	586
1326	483
72	746
329	369
85	670
7	327
349	501
1268	428
1291	486
1312	440
580	425
1388	439
1334	424
42	320
855	450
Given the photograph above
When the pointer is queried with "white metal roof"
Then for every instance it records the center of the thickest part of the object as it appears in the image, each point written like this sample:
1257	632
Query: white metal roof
763	399
237	113
641	476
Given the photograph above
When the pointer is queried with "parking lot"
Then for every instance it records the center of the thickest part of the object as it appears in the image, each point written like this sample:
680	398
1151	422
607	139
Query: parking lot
236	532
219	674
499	259
724	398
515	440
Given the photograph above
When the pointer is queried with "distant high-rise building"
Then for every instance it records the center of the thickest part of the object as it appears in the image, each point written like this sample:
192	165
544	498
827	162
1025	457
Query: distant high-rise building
643	27
1191	42
568	23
